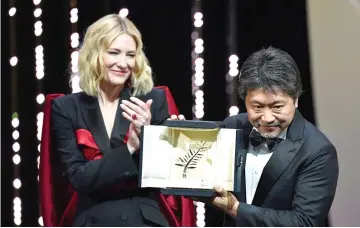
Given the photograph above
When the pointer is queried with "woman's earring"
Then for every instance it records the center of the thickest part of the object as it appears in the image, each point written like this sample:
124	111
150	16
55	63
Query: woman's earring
128	83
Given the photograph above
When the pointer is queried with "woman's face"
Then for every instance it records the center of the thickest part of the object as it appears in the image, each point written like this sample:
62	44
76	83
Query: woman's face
119	60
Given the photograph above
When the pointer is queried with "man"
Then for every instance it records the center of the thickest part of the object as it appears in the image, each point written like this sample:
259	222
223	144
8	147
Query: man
290	168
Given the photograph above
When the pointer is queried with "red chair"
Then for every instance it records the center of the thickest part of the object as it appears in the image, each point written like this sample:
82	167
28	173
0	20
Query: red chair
58	200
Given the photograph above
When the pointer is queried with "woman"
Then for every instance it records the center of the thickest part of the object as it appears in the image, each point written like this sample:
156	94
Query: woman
117	99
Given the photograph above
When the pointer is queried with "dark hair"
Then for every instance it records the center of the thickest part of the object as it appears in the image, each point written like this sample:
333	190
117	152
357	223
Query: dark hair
270	69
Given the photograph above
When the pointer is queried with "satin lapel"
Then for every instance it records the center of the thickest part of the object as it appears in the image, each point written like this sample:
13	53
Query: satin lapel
247	127
121	125
94	121
242	195
281	158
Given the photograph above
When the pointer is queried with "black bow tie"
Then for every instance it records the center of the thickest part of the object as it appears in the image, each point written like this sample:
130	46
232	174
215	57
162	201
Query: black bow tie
256	139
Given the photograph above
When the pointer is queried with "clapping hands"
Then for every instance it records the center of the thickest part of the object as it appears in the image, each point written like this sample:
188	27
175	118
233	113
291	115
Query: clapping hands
139	114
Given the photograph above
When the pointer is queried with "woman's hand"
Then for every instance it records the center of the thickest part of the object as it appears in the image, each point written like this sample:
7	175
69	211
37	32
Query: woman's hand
133	142
137	112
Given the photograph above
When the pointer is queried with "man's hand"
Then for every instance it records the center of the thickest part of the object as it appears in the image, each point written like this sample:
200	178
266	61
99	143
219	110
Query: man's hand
175	117
225	201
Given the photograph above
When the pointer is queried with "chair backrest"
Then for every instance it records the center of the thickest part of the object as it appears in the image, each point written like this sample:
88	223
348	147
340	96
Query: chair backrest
173	110
49	172
55	193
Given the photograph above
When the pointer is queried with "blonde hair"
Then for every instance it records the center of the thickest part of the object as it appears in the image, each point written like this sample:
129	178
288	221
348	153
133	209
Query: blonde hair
97	40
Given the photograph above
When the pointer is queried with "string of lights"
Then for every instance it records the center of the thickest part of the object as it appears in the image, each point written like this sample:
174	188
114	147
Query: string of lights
197	62
15	121
233	60
74	45
197	83
39	74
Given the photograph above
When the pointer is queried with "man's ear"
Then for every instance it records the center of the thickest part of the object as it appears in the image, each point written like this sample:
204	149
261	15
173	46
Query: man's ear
296	102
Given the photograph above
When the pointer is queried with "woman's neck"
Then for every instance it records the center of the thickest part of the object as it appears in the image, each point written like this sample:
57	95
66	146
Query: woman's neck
109	94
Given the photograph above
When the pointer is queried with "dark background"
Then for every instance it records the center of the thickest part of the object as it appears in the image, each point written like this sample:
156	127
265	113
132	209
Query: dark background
166	27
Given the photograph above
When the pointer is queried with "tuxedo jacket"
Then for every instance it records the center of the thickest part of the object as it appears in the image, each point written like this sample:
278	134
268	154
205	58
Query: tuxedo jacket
298	183
127	206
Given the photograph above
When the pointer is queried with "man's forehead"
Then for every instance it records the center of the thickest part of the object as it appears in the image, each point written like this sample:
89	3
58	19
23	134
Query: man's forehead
262	95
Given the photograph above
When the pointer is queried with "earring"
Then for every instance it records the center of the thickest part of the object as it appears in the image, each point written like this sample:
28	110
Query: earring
128	83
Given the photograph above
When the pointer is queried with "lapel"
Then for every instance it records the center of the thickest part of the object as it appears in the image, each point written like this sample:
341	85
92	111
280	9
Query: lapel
121	125
282	156
246	127
95	122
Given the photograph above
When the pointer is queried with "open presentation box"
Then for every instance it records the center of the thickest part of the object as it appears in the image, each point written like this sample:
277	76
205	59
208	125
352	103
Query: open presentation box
189	157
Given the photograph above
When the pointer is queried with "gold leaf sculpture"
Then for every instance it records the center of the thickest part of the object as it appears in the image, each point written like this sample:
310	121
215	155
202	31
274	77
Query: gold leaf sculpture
192	157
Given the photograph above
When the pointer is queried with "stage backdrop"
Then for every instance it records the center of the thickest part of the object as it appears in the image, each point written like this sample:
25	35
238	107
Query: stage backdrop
334	39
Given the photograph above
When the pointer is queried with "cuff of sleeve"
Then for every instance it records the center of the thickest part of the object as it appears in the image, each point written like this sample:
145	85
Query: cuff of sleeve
124	161
244	212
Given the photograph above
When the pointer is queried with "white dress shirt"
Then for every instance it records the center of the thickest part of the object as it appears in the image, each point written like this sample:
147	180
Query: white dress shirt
256	159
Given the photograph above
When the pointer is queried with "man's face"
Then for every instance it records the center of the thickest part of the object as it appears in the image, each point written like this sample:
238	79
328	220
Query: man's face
270	112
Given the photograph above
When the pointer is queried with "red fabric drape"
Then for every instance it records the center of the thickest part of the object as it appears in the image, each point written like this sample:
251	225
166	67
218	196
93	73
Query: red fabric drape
58	200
